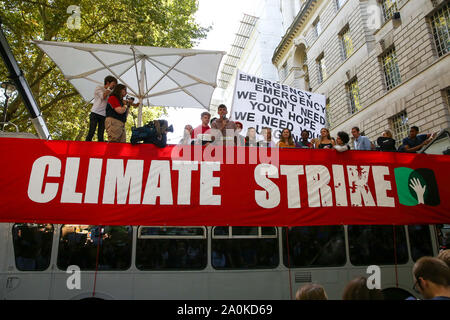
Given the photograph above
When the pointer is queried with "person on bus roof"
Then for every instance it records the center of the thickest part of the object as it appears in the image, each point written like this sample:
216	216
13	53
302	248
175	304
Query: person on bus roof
98	111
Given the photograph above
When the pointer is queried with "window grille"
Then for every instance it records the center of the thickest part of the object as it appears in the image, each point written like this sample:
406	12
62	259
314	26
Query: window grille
346	43
389	7
328	114
439	23
399	124
390	69
353	94
321	70
447	96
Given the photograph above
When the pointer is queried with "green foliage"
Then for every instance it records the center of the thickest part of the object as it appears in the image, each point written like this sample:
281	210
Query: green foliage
160	23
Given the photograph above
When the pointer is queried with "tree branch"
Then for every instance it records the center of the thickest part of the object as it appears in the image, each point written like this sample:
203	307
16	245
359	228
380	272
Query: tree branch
56	99
40	3
42	76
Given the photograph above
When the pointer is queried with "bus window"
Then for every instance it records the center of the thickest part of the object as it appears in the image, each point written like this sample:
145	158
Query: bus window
420	241
171	248
32	246
244	248
443	231
375	245
78	245
322	246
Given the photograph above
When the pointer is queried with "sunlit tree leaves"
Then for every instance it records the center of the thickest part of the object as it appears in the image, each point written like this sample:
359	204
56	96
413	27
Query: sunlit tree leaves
161	23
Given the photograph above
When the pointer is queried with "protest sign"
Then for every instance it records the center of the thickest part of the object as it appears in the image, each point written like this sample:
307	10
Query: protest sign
263	103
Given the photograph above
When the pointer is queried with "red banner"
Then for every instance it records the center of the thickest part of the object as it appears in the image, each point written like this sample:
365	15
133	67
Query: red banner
122	184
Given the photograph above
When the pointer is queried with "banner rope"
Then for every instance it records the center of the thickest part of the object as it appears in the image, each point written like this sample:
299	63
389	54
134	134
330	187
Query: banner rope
96	260
395	259
289	263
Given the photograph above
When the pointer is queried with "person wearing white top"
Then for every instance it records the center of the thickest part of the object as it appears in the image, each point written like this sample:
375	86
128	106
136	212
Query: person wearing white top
98	111
187	135
342	142
266	132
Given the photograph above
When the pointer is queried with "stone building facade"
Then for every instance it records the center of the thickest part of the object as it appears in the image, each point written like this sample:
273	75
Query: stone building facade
382	64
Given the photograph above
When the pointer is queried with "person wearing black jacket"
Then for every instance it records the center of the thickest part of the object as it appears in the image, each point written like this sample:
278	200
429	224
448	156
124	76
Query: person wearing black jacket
116	114
385	142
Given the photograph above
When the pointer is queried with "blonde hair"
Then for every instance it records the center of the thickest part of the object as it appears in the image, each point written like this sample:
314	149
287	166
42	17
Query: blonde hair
388	133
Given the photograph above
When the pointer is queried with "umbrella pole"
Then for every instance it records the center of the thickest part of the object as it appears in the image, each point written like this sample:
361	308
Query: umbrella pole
140	114
141	90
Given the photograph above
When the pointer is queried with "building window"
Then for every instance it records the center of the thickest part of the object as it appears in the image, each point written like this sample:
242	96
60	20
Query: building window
389	7
321	70
399	123
446	93
353	94
439	23
346	43
317	27
328	112
340	3
390	69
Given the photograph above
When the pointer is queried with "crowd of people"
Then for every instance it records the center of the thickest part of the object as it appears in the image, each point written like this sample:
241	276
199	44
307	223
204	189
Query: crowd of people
111	106
431	280
229	132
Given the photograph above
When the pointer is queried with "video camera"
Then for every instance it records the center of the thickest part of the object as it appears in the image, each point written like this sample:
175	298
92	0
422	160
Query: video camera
154	132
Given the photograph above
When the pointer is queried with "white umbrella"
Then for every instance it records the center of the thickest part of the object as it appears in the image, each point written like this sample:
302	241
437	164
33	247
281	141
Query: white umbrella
164	76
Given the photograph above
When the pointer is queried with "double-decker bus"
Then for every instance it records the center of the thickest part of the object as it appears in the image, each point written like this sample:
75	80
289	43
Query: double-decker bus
150	262
41	261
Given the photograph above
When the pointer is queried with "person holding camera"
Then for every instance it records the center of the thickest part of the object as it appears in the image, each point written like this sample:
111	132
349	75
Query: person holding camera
98	111
116	114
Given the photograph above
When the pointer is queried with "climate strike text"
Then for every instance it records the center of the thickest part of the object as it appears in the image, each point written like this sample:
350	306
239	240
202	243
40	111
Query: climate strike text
122	182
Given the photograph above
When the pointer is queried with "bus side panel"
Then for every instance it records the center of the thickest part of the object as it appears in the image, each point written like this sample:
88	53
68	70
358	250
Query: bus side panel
107	285
252	284
74	283
171	285
3	258
24	285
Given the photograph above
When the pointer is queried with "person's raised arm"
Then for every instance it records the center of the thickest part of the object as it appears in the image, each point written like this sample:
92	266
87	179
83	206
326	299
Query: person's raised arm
414	149
106	93
121	110
114	102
